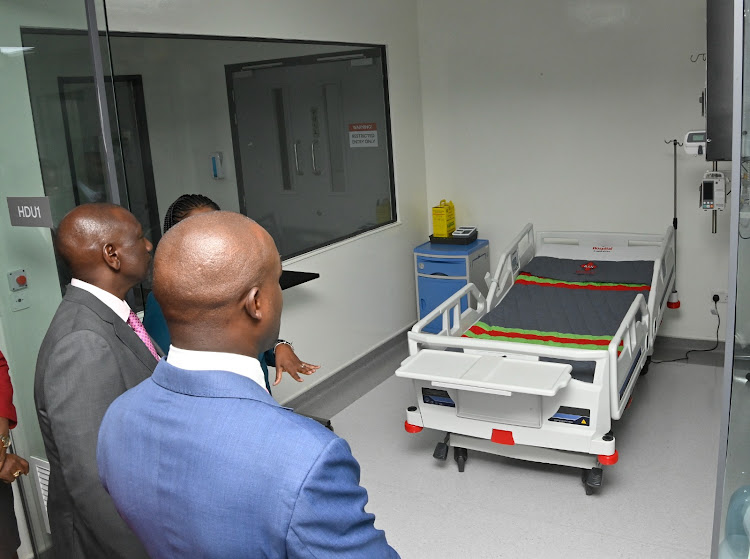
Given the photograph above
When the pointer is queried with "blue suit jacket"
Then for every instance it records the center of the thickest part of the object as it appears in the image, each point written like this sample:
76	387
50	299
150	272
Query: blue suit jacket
206	464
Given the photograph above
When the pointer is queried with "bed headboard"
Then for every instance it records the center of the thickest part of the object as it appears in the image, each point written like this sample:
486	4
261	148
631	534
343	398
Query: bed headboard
599	245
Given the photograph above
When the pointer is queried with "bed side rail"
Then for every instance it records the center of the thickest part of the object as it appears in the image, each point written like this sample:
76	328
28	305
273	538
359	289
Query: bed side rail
625	367
426	340
454	321
520	252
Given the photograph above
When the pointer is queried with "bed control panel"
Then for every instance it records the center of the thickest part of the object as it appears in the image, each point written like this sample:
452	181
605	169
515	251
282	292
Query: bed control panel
437	397
572	416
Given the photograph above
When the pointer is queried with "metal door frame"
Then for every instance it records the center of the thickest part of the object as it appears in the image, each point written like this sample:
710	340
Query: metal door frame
136	81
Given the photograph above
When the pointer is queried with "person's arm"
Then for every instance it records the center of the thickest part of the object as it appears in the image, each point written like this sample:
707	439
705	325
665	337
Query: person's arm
329	518
286	360
83	378
10	464
7	410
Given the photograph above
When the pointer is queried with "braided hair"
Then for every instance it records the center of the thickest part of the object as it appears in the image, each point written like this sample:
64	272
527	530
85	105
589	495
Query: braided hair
186	203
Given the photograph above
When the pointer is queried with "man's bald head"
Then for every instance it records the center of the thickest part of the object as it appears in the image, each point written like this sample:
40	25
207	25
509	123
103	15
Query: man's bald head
103	244
207	270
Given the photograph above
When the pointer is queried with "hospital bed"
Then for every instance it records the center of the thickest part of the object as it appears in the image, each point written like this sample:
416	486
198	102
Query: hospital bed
540	367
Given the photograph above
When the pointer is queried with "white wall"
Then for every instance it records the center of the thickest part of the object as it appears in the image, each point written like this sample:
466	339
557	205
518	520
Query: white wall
556	113
366	290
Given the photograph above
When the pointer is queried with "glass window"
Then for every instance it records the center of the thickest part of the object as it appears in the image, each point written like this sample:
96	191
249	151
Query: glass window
311	142
295	135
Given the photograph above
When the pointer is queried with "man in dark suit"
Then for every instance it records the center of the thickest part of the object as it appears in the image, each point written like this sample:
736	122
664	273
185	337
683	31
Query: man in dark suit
229	473
95	349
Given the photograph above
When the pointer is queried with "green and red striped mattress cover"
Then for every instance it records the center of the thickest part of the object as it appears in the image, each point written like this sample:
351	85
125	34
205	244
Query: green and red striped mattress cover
566	303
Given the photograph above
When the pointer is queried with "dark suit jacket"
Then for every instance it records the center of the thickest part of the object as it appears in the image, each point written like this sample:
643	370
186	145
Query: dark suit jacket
231	474
87	359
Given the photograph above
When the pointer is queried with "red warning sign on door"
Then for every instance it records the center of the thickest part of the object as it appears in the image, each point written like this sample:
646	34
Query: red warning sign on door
363	126
363	135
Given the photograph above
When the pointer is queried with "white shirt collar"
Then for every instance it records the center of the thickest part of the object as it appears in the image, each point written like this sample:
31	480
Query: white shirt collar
191	360
118	306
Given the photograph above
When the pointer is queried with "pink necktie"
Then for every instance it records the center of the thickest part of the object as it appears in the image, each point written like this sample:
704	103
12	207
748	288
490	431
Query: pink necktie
135	323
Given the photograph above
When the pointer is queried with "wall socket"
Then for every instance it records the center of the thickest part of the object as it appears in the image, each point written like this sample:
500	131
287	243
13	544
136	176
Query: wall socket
721	293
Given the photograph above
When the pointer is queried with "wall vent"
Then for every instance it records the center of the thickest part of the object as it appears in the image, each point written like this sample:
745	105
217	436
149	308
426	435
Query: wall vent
40	468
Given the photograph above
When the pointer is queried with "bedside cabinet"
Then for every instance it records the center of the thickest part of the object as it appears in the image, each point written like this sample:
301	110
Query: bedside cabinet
441	270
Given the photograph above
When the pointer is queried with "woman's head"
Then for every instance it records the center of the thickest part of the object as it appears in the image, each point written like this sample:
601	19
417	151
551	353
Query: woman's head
186	205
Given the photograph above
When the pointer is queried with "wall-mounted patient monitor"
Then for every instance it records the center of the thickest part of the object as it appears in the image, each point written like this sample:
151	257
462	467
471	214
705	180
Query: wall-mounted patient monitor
695	142
713	191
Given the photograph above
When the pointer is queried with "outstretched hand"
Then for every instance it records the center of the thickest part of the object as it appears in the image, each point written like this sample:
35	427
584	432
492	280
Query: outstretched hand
287	360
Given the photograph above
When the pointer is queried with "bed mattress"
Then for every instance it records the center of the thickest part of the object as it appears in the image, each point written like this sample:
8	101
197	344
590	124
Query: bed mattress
567	303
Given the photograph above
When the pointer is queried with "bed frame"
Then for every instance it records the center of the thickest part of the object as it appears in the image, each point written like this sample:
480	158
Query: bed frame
498	397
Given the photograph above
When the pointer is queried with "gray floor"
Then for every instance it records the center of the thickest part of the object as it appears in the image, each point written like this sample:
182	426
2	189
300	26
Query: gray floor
657	502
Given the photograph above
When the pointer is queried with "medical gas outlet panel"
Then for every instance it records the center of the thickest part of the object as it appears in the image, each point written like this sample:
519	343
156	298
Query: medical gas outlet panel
443	269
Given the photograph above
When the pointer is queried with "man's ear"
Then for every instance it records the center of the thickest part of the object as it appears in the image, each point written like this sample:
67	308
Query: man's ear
109	253
252	304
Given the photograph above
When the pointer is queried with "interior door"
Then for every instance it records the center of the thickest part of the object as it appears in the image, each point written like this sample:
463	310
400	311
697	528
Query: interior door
299	173
134	170
284	155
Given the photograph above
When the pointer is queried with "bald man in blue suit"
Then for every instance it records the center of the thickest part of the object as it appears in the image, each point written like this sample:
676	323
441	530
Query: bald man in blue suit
199	459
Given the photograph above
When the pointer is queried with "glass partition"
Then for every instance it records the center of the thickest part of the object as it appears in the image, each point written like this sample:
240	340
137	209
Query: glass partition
72	156
51	144
732	528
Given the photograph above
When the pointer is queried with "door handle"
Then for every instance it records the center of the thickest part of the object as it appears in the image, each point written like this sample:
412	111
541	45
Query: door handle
296	159
316	171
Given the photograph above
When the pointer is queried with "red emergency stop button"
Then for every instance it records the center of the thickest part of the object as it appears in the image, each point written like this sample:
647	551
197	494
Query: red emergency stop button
21	280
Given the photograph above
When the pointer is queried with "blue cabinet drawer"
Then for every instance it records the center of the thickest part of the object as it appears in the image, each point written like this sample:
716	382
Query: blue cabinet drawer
435	266
432	292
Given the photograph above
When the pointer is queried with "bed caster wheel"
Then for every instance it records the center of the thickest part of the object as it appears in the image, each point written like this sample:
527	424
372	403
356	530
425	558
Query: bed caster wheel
644	371
441	451
460	455
592	480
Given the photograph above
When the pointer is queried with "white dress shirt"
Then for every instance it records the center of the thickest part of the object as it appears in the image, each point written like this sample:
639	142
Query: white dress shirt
118	306
242	365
